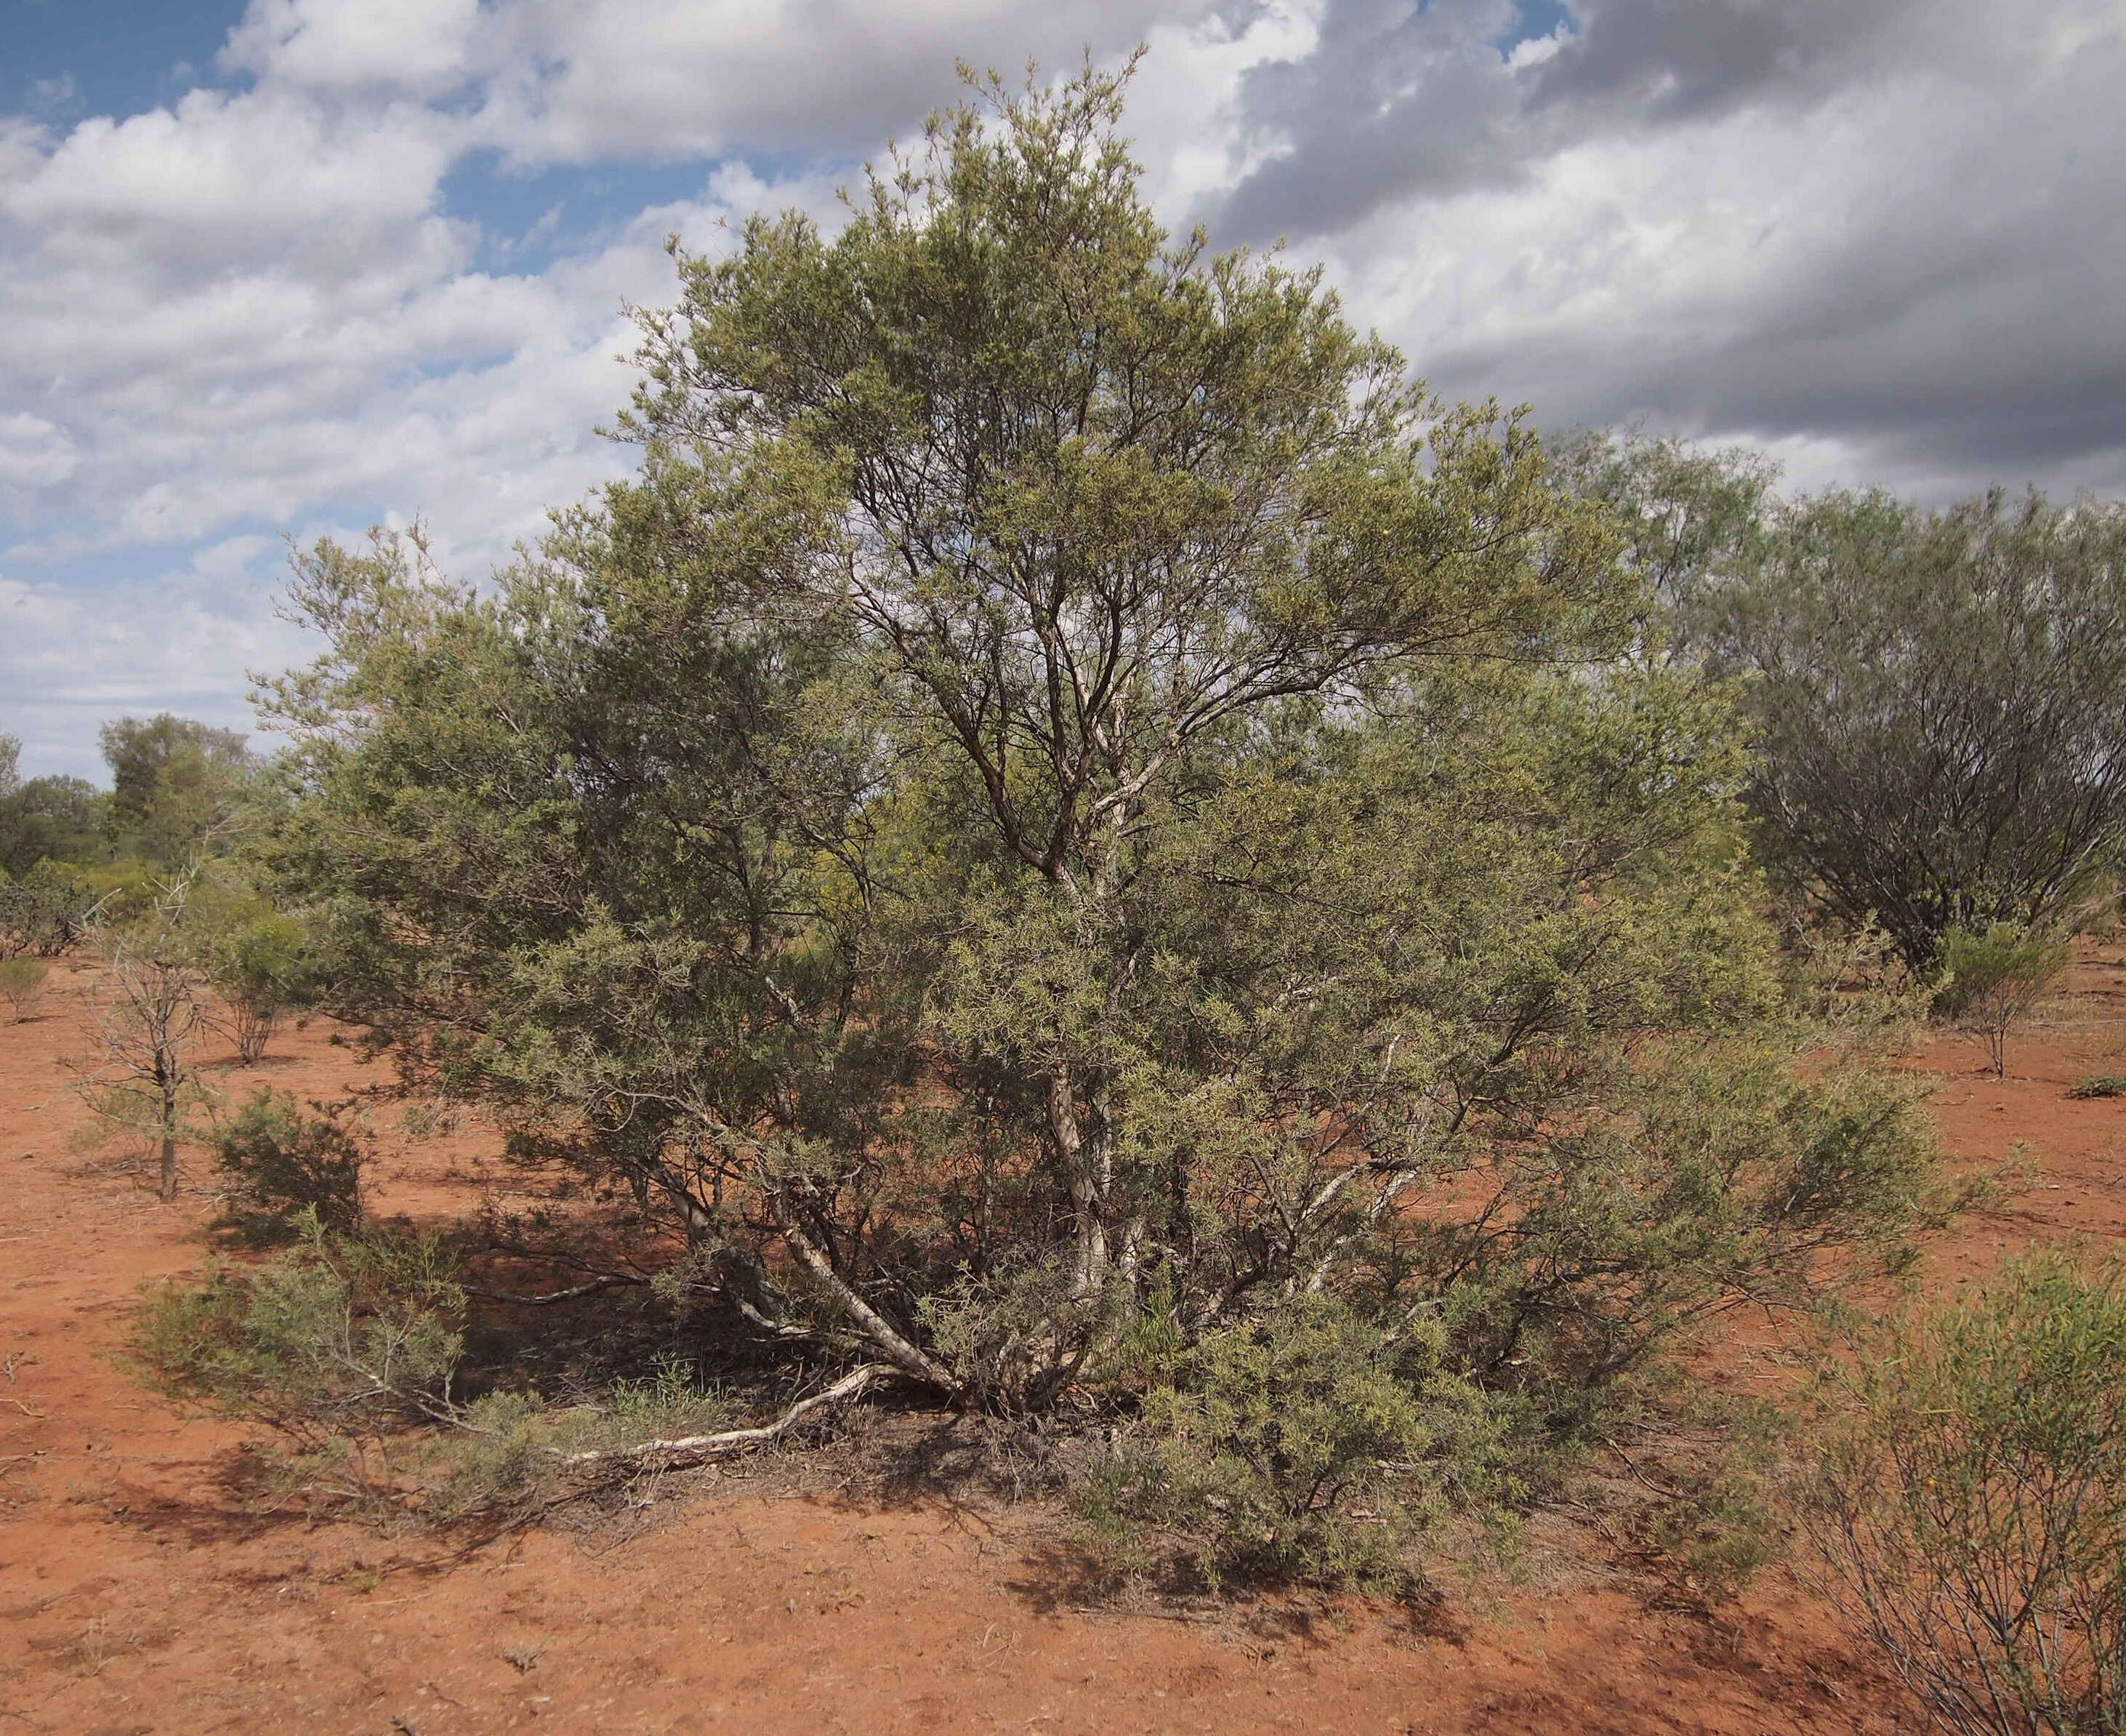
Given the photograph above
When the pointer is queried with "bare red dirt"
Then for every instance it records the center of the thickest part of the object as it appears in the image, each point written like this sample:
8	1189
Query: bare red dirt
141	1591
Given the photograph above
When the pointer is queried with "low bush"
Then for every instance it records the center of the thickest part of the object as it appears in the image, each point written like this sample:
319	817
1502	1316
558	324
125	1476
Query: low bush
340	1343
1993	979
1299	1447
277	1163
21	984
46	913
1968	1517
2100	1084
350	1348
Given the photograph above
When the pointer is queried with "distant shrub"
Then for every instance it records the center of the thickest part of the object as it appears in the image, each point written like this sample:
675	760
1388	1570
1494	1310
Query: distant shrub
278	1163
21	983
1935	695
2100	1085
261	961
46	913
1298	1448
1969	1516
1994	978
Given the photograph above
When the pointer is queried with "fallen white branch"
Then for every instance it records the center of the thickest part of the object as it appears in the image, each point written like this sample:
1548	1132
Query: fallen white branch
603	1281
690	1449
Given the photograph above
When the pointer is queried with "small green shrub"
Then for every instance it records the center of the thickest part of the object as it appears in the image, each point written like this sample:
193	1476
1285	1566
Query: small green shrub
21	983
2100	1085
1298	1447
277	1163
1968	1517
340	1343
1708	1519
264	963
46	912
1994	978
349	1346
510	1450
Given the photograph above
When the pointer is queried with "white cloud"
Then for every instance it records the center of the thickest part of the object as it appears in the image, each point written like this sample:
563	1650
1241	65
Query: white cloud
1883	240
421	47
34	453
572	80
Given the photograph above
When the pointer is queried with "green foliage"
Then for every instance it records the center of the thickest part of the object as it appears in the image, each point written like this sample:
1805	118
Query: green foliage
1303	1446
53	819
2100	1084
1068	806
1935	698
45	913
339	1343
349	1346
511	1451
279	1166
1994	977
178	786
1970	1512
262	962
1708	1514
1692	520
21	983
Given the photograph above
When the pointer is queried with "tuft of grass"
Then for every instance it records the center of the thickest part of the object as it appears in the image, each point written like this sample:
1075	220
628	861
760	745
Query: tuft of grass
21	983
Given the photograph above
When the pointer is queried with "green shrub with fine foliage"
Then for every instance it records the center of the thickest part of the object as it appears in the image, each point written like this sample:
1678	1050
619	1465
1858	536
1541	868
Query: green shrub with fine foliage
1994	977
341	1340
1969	1513
277	1163
1300	1445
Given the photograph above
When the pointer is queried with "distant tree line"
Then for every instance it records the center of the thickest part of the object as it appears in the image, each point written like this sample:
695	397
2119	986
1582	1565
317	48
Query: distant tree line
178	786
1935	697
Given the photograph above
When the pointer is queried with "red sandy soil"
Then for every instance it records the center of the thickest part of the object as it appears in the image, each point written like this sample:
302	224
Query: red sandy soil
141	1591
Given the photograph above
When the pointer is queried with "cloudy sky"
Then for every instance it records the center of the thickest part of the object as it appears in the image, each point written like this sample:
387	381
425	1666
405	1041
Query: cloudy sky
302	266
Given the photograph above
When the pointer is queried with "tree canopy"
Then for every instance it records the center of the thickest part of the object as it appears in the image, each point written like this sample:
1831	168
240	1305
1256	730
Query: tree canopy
1068	807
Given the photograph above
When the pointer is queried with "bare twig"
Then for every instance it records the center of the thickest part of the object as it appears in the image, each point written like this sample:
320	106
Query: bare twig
604	1281
693	1449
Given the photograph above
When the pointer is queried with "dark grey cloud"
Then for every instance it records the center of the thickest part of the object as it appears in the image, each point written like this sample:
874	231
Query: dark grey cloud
1893	233
1655	61
1398	101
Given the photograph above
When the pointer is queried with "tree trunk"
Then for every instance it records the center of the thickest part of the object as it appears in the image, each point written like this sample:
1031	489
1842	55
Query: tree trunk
166	1078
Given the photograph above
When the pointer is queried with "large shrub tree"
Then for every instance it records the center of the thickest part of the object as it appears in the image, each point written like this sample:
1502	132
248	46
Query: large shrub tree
1938	693
1069	805
1935	694
176	785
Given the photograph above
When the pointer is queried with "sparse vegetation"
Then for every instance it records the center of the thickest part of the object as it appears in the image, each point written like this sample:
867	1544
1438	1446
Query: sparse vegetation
339	1344
143	1075
22	985
1969	1516
1995	978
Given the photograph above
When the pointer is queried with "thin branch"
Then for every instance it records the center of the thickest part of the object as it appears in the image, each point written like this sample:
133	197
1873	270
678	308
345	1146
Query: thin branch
693	1449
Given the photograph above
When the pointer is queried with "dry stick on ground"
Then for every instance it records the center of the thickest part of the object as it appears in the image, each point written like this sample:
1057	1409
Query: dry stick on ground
604	1281
693	1449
